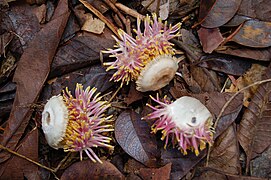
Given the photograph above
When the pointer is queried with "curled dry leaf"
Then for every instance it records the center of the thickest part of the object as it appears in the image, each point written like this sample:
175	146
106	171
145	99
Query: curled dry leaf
210	38
221	12
34	64
254	33
252	75
90	170
254	130
133	135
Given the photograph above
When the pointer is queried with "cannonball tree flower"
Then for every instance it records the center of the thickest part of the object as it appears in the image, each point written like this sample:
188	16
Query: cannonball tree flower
186	121
77	123
148	58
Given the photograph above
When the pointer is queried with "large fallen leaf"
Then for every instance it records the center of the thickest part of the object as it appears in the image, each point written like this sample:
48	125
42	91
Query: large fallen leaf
257	9
30	75
133	135
254	33
214	102
225	152
221	12
210	38
263	54
81	51
90	170
18	168
226	64
254	130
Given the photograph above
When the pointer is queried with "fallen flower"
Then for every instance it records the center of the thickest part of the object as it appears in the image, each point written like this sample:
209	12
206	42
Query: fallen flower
187	121
77	123
147	59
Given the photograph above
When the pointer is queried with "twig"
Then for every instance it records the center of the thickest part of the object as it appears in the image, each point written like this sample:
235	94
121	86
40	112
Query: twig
129	11
227	104
113	7
157	7
26	158
128	27
111	26
62	162
114	95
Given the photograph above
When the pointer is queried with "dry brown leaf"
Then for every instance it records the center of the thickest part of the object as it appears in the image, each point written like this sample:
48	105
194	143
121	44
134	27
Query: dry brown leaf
34	65
254	130
254	74
156	173
221	12
93	25
225	152
254	33
90	170
263	54
210	38
18	168
134	136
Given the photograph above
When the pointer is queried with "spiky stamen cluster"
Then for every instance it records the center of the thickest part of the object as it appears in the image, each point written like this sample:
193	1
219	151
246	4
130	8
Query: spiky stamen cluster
186	121
132	55
86	122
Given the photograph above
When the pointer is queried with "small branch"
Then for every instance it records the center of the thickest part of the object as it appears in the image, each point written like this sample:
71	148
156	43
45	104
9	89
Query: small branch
129	11
26	158
109	24
158	7
114	95
113	7
227	104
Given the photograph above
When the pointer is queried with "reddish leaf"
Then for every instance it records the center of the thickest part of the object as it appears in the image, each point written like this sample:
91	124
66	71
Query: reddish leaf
226	64
210	39
90	170
133	135
263	54
254	131
205	7
18	168
254	33
81	51
214	102
221	12
156	173
34	65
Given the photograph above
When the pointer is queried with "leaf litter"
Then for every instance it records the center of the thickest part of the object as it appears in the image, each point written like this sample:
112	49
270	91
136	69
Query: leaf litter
50	53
